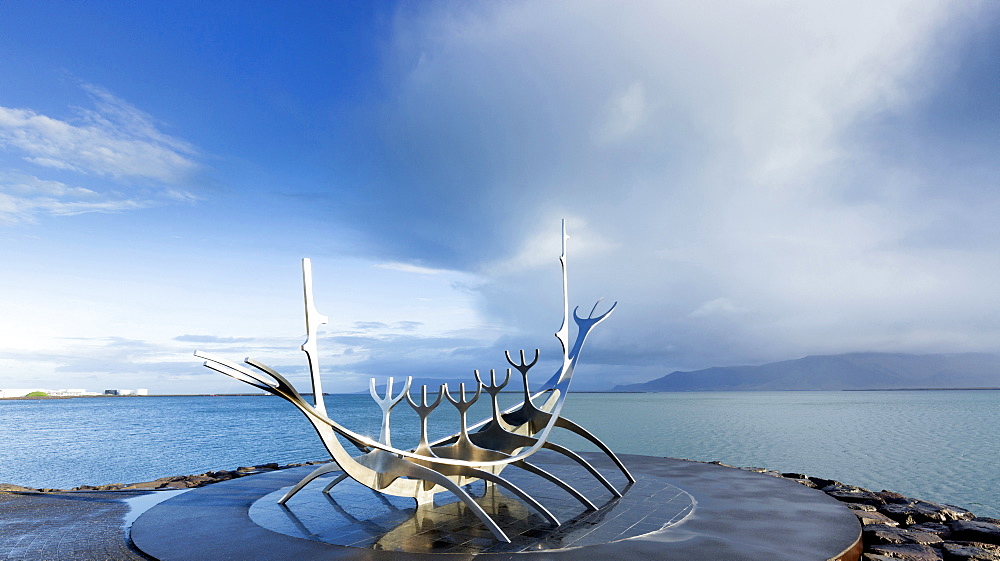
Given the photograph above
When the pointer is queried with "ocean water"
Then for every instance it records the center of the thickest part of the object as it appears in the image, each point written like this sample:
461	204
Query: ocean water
934	445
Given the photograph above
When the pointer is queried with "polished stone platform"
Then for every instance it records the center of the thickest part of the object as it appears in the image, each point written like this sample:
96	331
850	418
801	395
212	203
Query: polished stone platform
676	510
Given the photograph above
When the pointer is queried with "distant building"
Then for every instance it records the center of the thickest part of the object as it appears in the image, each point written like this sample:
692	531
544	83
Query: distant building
140	391
70	392
74	392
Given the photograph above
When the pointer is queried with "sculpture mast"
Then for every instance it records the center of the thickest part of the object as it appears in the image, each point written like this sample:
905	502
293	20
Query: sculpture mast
313	320
563	333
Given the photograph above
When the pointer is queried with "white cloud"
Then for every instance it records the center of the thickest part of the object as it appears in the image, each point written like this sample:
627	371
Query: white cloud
115	140
24	198
626	112
718	306
408	268
712	148
104	150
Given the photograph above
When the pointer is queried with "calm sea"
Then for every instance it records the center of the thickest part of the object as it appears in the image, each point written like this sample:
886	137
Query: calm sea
935	445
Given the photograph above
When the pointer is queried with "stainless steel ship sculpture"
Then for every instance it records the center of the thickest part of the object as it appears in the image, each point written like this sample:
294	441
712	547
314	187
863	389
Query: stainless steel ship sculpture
479	451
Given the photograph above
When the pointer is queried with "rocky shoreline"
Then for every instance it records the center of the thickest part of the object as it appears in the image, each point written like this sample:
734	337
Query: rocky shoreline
894	527
166	483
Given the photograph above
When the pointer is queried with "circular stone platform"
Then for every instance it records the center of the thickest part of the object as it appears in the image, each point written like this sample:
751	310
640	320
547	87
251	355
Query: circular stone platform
676	510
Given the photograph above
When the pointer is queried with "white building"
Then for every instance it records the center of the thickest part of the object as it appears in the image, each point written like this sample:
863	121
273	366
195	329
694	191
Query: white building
70	392
140	391
74	392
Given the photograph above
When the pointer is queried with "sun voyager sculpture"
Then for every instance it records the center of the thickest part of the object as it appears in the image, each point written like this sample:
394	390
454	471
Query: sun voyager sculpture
481	451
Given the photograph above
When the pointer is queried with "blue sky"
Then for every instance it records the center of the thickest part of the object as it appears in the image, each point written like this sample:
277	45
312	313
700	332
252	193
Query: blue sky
751	181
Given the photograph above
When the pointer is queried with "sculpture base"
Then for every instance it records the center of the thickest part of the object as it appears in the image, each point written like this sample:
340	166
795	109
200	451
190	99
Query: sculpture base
676	510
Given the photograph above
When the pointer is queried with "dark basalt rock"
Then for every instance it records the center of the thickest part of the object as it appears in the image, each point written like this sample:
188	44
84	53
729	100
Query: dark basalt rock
900	528
794	476
970	552
171	482
933	527
901	513
907	551
976	530
824	483
884	534
918	511
874	519
221	475
12	487
805	481
892	497
851	494
957	513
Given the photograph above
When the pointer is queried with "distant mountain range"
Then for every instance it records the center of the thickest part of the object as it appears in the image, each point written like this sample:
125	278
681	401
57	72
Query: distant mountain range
852	371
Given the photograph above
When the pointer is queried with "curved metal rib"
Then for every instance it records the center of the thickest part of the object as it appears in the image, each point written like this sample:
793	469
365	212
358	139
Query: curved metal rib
321	470
337	480
569	425
562	484
493	478
576	458
417	472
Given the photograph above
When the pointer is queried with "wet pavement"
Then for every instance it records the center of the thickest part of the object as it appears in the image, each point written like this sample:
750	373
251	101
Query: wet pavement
77	526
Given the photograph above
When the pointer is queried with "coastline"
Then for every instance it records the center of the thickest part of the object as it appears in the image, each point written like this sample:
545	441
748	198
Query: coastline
168	483
894	526
914	389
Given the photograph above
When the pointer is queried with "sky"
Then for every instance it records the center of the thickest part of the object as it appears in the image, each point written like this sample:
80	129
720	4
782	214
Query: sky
751	182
